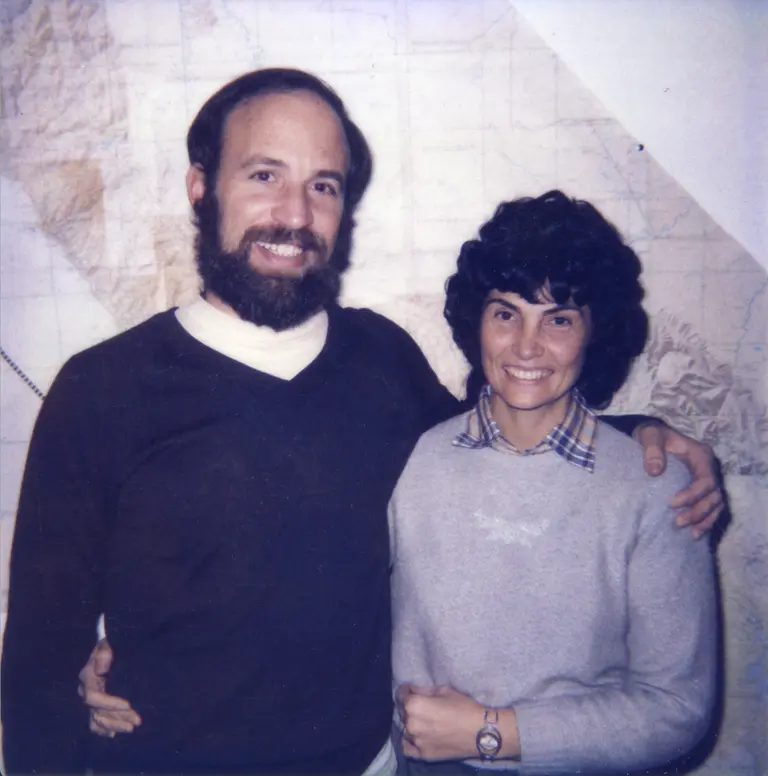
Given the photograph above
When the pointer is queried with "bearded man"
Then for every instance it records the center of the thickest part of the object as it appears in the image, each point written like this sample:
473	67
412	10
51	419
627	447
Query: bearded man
215	481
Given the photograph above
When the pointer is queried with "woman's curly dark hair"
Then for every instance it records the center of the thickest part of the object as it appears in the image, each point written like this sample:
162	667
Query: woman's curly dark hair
563	245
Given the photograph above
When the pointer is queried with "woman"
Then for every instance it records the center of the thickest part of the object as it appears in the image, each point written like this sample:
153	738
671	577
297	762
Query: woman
547	615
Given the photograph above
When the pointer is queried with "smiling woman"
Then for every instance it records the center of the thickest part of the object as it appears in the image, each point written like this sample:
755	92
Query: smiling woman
561	250
547	616
531	356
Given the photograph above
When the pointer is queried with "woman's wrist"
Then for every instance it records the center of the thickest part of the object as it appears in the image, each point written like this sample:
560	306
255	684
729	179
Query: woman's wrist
510	733
498	724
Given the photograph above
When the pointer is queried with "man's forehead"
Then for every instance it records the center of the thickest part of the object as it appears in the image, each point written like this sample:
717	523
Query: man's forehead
289	117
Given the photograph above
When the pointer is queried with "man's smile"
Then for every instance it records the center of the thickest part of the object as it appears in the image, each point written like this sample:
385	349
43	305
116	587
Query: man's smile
282	249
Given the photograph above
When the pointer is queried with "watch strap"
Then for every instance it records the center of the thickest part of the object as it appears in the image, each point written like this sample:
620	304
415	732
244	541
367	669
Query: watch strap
488	739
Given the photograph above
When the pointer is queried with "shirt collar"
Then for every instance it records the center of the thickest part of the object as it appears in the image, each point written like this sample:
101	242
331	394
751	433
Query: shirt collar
573	439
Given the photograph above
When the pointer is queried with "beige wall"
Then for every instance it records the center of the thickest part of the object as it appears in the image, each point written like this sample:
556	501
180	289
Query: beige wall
688	77
464	106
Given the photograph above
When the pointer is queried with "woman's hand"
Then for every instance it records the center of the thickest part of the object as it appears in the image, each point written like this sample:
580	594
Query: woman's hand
109	714
440	722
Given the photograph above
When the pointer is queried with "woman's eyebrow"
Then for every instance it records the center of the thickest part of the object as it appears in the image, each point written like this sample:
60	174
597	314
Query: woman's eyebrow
498	300
572	306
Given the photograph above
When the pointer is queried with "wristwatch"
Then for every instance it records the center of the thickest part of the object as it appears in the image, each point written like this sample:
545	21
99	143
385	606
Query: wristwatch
488	739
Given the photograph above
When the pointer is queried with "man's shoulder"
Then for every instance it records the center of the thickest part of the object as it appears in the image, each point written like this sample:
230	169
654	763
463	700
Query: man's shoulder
123	353
366	322
382	339
134	340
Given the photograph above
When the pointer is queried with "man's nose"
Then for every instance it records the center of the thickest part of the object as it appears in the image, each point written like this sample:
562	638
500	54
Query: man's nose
293	209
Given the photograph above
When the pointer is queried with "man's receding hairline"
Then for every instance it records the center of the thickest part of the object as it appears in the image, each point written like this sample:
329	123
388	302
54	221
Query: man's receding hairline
281	92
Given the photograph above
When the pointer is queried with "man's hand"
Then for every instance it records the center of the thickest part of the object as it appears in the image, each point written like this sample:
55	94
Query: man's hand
109	714
703	500
440	723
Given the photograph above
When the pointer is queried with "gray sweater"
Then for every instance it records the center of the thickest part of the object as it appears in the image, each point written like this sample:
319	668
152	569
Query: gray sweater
526	581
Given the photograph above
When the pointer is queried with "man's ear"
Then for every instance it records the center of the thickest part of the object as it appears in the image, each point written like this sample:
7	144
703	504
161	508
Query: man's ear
195	183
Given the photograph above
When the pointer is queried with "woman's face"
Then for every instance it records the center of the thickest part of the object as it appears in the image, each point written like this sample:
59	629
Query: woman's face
532	354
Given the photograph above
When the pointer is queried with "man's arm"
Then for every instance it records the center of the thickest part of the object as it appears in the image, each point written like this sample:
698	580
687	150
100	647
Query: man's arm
55	586
437	402
703	501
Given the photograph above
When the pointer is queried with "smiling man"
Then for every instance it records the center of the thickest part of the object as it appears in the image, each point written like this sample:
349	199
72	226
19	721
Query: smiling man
268	227
215	481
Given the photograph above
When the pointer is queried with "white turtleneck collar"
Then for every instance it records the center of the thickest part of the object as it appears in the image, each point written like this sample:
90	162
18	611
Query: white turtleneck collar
281	354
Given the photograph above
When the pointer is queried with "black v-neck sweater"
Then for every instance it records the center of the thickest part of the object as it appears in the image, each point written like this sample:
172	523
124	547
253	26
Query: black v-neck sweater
232	526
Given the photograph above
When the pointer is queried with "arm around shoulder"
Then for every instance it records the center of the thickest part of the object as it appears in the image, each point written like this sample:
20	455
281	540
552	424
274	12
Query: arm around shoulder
703	501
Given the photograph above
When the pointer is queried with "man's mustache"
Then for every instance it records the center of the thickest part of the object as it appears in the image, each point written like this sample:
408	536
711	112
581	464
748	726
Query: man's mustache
304	238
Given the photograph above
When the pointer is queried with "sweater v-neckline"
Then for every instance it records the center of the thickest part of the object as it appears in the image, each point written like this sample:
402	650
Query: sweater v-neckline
240	371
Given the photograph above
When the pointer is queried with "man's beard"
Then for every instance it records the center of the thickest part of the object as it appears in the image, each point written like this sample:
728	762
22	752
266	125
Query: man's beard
277	302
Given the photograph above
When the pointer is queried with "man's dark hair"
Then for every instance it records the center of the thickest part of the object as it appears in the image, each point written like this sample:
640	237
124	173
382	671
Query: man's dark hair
205	136
566	248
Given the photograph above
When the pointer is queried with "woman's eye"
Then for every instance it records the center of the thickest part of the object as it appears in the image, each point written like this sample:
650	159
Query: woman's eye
560	321
503	315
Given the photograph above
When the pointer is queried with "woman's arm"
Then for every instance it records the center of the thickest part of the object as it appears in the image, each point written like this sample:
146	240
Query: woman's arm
647	713
440	723
658	708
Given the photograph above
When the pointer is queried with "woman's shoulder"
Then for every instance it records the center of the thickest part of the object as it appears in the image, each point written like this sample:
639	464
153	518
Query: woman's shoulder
435	452
620	457
445	432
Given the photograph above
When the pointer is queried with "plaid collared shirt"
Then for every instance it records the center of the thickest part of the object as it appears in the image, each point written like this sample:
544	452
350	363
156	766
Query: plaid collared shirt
573	439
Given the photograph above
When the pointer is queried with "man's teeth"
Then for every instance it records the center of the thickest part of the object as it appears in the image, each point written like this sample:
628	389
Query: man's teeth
528	374
281	249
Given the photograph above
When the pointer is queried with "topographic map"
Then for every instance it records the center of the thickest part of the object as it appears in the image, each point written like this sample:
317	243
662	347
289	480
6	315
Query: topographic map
463	106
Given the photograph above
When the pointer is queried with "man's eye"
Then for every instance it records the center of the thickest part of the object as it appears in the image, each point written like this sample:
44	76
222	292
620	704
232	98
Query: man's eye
323	187
263	176
561	321
503	315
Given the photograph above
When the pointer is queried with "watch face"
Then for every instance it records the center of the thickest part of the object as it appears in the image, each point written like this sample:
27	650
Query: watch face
488	742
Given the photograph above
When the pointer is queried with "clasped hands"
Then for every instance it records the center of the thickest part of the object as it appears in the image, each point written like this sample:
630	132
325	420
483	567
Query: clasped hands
441	723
